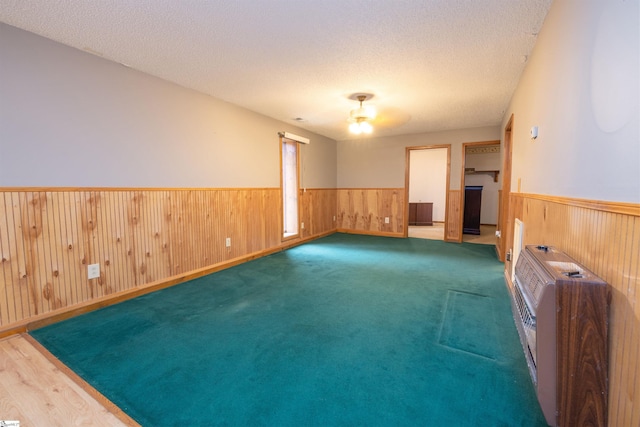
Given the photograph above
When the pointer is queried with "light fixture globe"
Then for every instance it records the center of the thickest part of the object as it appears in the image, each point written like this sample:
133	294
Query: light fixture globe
361	116
366	127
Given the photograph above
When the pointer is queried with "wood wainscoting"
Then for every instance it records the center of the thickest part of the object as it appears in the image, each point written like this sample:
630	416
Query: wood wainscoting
453	222
363	211
318	209
139	237
605	238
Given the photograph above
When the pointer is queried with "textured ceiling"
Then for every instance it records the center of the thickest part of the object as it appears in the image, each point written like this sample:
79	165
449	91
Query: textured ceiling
432	65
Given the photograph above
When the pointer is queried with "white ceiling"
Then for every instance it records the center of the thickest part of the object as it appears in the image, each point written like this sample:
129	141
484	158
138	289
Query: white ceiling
432	65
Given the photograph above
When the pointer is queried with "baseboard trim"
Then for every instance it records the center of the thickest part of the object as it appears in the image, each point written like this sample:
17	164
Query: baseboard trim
370	233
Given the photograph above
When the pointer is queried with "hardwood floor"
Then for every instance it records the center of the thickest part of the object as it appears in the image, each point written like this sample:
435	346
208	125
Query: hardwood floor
487	236
436	232
39	391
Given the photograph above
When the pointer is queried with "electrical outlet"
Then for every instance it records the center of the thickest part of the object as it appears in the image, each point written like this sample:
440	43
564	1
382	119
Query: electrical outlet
386	220
334	217
93	271
302	225
228	242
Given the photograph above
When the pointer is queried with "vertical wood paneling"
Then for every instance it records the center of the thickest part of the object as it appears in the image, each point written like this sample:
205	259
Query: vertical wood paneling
317	209
365	209
453	232
272	218
608	243
48	239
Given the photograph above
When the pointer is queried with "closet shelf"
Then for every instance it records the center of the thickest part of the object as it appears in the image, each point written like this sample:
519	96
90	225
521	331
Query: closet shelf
493	173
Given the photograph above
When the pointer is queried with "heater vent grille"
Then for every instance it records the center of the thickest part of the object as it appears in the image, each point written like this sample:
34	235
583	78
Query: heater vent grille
528	324
531	280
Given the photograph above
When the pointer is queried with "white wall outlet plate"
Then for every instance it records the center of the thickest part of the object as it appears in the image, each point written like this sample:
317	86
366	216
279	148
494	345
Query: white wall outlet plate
386	220
302	225
93	271
228	242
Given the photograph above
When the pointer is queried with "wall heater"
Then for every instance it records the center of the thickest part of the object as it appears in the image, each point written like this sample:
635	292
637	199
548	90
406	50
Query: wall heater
561	312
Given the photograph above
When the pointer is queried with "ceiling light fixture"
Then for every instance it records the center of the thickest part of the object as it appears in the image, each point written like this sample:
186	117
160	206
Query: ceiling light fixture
360	117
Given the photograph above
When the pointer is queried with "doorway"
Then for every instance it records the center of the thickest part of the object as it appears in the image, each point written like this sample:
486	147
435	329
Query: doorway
427	176
480	204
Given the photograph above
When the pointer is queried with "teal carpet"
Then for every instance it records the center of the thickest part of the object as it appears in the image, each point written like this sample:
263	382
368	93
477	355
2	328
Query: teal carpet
343	331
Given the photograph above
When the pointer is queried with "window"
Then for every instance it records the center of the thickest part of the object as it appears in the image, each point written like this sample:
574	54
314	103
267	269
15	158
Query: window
289	183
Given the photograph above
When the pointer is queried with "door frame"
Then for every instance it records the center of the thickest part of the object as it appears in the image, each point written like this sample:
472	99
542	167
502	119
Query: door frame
504	226
462	181
298	234
407	175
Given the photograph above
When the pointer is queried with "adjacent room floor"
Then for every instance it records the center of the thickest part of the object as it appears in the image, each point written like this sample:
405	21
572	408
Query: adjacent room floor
436	232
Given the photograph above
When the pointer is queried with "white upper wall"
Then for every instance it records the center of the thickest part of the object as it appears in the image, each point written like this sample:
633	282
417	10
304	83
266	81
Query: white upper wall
428	179
69	118
581	87
381	162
